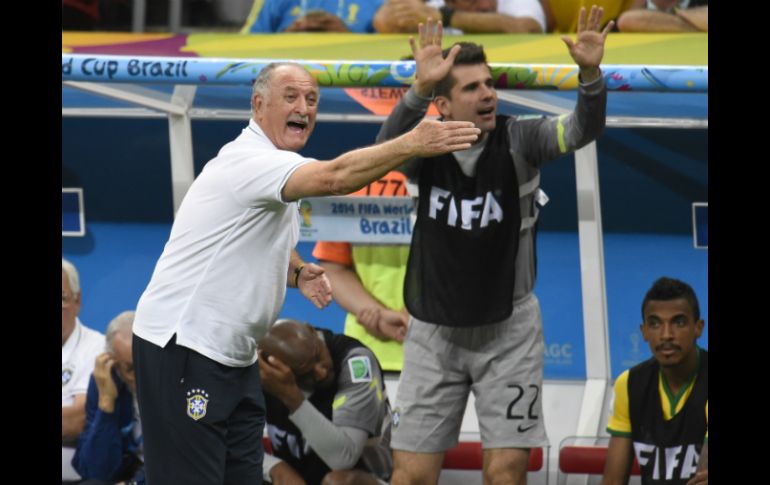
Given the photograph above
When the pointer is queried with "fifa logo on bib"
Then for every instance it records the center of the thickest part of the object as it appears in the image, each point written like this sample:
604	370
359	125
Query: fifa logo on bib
197	401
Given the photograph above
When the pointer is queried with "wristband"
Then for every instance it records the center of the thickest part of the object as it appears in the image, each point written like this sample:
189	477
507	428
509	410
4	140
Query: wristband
297	271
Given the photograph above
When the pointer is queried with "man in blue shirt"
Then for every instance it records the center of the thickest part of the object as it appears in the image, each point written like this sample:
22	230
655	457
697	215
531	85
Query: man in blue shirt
110	447
312	16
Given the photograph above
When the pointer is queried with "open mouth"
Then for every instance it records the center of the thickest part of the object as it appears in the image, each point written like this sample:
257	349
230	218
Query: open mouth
486	111
297	126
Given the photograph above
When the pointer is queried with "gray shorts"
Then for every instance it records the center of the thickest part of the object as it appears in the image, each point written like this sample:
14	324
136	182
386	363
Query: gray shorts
502	363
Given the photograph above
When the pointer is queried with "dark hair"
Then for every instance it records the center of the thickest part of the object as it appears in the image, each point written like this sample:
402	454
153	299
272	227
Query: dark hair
470	55
665	289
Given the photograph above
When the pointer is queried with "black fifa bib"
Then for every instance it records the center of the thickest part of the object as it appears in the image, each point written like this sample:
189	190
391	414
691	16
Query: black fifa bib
461	267
667	451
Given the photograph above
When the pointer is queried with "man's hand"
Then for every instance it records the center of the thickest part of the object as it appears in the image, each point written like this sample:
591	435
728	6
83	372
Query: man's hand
278	380
284	474
588	49
431	138
318	21
394	324
700	478
384	324
108	391
431	65
314	285
370	319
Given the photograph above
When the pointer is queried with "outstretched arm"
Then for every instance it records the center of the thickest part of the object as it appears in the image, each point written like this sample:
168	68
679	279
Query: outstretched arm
352	170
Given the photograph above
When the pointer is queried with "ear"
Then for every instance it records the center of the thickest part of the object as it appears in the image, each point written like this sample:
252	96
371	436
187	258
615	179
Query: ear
699	327
643	328
256	102
443	105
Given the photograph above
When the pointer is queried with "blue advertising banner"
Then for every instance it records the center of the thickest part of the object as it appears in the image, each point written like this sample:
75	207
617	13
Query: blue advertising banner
377	220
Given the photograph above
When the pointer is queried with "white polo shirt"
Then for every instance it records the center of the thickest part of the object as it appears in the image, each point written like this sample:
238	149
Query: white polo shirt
221	279
78	355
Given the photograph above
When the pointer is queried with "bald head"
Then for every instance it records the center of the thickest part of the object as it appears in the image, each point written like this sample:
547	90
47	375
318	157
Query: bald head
293	343
284	104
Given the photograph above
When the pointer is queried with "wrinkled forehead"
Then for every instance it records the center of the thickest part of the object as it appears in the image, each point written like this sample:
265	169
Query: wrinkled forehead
294	77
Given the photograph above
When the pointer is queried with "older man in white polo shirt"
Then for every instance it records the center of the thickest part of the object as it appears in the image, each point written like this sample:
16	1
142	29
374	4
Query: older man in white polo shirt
79	347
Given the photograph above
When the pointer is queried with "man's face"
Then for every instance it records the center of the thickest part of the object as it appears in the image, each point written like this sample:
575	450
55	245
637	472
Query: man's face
472	5
124	361
472	98
670	329
70	308
287	113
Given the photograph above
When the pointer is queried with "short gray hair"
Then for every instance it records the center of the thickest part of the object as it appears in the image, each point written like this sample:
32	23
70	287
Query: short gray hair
121	323
261	84
72	276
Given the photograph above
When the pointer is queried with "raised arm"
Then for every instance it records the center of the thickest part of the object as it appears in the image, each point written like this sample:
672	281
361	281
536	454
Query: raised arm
431	67
548	138
100	447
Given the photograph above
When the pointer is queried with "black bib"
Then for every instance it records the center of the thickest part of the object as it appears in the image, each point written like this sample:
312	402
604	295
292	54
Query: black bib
670	449
463	252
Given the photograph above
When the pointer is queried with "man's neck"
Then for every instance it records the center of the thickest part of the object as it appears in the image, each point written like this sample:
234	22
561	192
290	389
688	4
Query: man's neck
680	375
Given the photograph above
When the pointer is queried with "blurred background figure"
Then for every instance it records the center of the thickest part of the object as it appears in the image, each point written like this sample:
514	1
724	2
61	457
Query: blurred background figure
462	16
110	447
311	16
562	15
79	347
666	16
